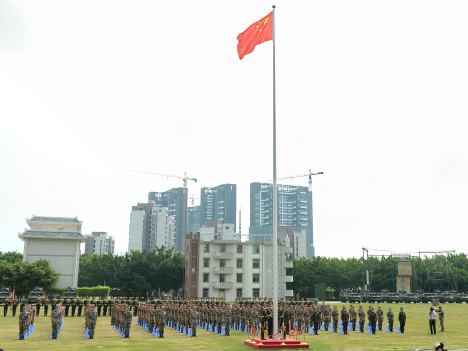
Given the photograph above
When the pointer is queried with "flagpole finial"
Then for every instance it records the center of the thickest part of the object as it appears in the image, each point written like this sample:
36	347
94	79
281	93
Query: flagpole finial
274	6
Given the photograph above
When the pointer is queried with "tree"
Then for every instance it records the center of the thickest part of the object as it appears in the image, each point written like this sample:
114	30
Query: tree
25	275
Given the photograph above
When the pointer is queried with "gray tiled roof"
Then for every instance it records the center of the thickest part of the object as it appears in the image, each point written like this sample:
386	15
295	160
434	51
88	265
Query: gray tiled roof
32	233
52	219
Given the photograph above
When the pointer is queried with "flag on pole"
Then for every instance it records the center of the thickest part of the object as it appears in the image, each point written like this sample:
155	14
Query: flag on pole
12	298
257	33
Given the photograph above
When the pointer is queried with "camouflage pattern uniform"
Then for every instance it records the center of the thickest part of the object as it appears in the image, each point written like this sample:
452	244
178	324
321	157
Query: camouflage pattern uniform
162	321
380	317
194	320
227	320
362	319
56	318
92	318
390	318
335	319
344	320
441	318
23	321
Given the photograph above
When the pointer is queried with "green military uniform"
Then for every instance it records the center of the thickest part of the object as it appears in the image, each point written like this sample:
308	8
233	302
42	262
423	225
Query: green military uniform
380	317
344	320
372	320
390	318
441	318
402	319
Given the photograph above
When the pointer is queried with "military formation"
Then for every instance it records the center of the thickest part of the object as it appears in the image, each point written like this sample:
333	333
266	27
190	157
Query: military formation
254	315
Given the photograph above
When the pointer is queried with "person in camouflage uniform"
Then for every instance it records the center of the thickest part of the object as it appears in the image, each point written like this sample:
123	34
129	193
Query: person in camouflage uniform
219	319
92	319
194	320
362	319
316	320
372	320
441	318
402	319
227	320
255	317
390	318
326	317
56	318
344	319
128	323
162	321
335	319
353	317
380	317
23	322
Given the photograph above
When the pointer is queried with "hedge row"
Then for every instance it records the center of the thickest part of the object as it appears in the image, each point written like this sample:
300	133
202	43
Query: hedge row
94	291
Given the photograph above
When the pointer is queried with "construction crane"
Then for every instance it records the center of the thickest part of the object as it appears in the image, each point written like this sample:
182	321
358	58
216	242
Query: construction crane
193	198
303	175
185	179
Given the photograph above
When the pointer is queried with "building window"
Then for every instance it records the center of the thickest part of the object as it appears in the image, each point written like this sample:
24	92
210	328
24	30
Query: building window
256	278
206	263
222	278
256	293
239	249
222	263
256	263
222	248
239	293
205	293
256	249
239	277
206	248
239	263
206	278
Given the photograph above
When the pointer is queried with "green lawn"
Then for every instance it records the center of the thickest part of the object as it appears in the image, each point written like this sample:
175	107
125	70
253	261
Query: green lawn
72	336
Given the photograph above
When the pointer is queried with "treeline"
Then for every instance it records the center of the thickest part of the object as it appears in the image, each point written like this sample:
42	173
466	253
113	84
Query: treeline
24	276
437	272
136	273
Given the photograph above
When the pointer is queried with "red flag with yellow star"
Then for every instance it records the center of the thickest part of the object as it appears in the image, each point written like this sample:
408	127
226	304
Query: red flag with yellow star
257	33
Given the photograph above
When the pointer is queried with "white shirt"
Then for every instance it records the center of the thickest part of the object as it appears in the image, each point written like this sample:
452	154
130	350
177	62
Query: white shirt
432	315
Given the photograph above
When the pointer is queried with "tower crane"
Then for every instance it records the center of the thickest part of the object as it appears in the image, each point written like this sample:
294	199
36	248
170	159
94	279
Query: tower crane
193	198
185	179
304	175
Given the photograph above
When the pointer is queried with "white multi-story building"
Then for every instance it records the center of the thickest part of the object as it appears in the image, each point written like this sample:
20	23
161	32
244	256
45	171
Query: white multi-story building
150	227
99	243
57	240
231	268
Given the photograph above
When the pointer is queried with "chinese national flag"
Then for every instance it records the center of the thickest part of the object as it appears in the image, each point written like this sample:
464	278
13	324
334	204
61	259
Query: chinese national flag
257	33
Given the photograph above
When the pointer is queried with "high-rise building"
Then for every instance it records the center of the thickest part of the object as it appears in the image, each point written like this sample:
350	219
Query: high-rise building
193	219
173	199
219	203
150	227
99	243
294	209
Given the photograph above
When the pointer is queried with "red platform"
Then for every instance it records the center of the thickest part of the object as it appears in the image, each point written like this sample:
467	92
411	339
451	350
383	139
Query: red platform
258	344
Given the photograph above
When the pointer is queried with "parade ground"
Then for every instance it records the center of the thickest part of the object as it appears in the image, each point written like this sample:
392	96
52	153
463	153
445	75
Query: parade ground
72	336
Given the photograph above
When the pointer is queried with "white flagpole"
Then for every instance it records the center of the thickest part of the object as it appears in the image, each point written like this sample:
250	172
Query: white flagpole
275	201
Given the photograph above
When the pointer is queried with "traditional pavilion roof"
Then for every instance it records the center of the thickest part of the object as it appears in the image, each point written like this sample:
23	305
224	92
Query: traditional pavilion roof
45	234
54	219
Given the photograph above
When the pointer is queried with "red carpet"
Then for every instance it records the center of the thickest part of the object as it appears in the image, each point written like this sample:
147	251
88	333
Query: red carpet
276	344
